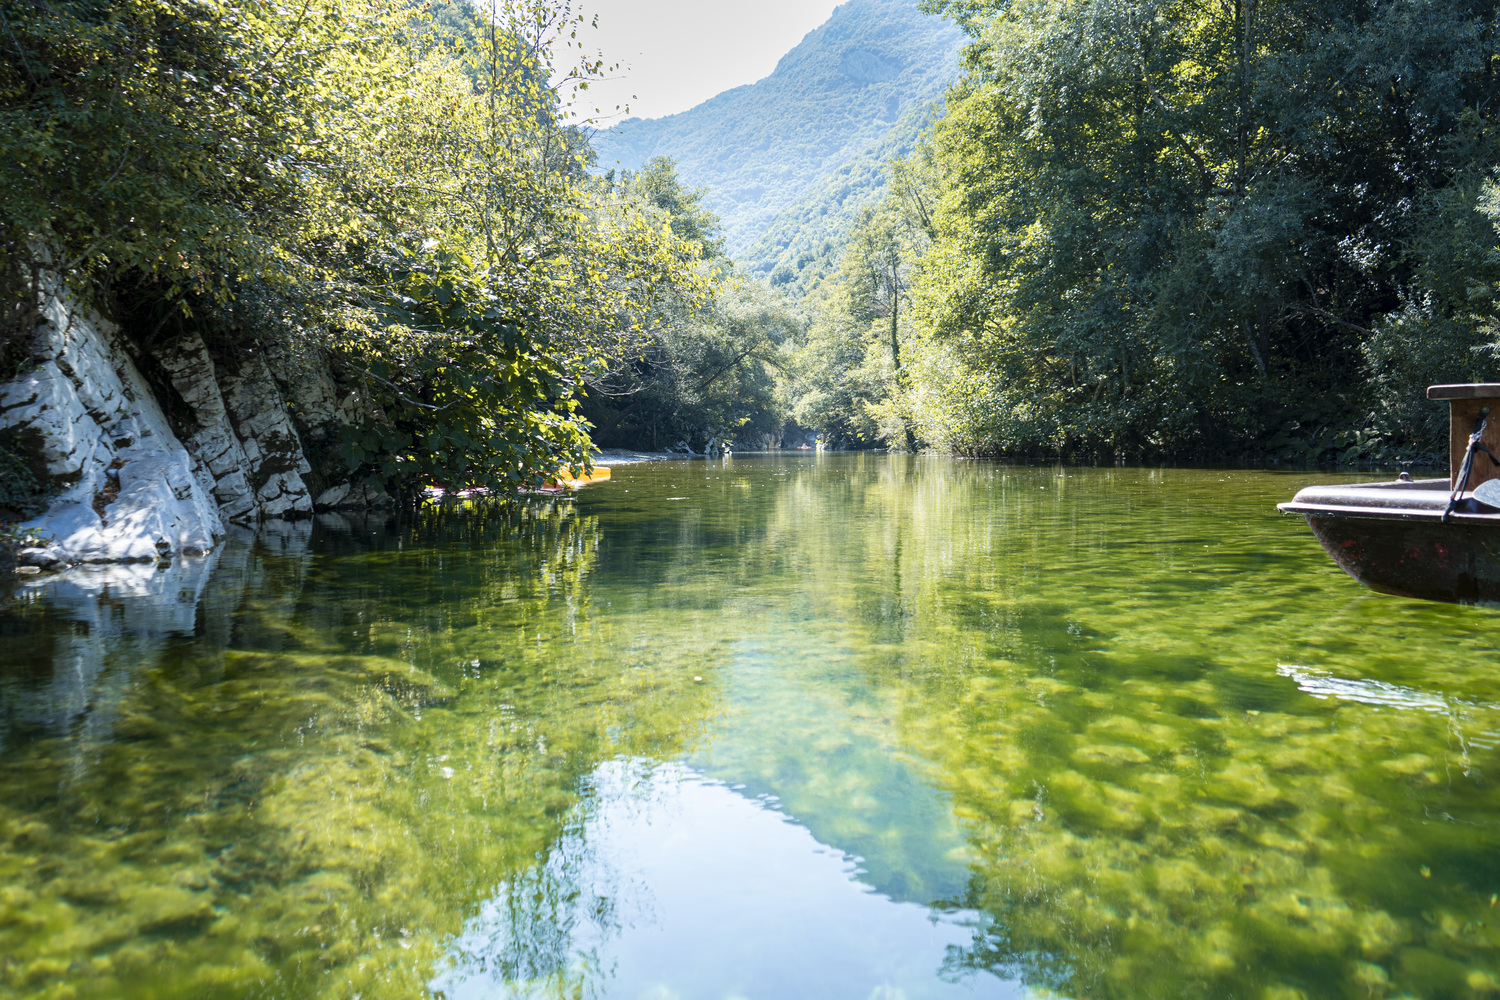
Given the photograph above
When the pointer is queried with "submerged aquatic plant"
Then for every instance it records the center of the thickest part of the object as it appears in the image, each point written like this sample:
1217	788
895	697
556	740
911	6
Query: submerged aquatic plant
1130	721
309	808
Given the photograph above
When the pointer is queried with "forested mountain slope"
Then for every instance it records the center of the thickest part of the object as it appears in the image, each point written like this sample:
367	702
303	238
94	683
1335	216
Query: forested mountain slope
759	148
807	239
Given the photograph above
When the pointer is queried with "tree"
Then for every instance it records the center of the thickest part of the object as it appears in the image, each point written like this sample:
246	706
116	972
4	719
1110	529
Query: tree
657	186
1182	226
531	286
415	215
706	376
854	384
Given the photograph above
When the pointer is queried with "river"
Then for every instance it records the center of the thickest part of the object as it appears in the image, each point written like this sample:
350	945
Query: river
824	726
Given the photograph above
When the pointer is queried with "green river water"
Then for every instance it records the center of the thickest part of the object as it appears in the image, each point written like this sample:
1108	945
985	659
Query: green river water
840	726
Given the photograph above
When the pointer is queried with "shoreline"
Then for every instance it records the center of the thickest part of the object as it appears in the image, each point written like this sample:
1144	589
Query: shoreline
622	456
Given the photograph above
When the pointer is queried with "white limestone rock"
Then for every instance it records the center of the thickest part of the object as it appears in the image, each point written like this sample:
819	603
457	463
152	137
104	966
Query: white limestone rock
160	511
332	497
244	437
45	406
89	413
310	389
354	496
316	397
136	491
273	451
221	458
74	530
365	496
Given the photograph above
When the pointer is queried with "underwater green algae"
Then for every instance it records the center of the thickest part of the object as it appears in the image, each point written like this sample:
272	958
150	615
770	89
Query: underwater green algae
1133	719
1188	756
310	819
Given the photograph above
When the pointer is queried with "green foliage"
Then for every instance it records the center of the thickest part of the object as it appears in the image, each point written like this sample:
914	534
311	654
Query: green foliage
169	140
708	380
706	376
396	188
457	23
466	400
657	187
1184	228
839	378
853	377
1175	229
760	148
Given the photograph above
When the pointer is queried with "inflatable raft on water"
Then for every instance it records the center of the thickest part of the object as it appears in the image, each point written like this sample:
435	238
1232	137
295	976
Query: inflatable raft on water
1434	539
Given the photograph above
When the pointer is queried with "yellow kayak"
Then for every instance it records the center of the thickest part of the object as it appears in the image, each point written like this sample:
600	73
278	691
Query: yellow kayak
574	477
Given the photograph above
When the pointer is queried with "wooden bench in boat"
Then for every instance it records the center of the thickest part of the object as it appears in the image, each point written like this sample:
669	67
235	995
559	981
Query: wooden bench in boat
1464	405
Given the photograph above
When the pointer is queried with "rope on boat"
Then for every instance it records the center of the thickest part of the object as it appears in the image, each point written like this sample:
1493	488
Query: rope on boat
1464	471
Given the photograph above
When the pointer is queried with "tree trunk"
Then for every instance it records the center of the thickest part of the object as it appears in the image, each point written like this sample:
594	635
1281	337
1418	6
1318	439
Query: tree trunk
911	438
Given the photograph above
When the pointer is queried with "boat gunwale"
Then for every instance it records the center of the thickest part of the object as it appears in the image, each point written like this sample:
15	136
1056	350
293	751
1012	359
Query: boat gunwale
1432	509
1389	513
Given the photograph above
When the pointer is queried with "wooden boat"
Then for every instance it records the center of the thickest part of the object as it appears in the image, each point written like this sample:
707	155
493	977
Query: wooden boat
1434	539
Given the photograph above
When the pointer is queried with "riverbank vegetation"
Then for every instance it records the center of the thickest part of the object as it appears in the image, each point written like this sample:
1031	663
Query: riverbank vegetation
708	374
396	194
1164	230
1180	230
1167	230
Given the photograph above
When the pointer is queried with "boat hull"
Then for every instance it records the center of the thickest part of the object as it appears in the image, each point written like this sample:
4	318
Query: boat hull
1402	538
1432	539
572	478
1433	561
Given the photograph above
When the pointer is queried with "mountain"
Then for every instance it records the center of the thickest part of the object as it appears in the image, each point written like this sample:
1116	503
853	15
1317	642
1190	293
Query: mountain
761	147
806	239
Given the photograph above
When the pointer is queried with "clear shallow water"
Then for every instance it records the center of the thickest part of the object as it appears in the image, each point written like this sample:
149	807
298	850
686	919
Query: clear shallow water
841	726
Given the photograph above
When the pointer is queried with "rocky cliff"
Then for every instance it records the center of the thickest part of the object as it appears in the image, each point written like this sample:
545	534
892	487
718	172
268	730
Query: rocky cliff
152	451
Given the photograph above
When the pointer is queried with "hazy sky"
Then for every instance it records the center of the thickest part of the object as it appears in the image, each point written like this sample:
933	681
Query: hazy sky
678	53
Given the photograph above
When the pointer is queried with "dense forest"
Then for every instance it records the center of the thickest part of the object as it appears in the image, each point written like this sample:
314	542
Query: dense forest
1203	228
1167	229
1189	230
1144	231
393	190
1185	230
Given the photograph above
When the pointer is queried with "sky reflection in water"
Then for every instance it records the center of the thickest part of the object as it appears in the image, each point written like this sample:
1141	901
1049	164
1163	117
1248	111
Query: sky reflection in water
679	886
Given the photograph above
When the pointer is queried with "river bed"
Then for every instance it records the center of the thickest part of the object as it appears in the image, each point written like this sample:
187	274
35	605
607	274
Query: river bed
816	726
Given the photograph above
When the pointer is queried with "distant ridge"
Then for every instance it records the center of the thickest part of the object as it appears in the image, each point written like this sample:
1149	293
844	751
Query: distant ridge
805	241
761	147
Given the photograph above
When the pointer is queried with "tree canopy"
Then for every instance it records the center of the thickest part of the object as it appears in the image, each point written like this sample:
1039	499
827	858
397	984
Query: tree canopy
399	195
1191	228
1160	228
709	375
1198	227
